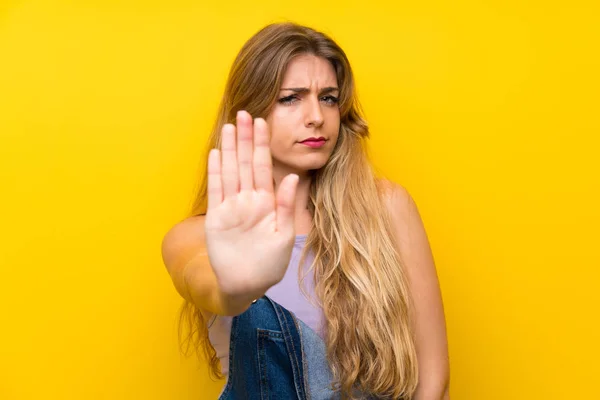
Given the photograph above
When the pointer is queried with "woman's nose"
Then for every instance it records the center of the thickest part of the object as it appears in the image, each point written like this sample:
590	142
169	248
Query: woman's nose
314	114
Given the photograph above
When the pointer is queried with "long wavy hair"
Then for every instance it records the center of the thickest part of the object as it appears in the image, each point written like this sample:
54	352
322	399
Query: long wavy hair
360	282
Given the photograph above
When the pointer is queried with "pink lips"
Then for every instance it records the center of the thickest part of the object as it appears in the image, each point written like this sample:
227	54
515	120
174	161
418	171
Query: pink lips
314	143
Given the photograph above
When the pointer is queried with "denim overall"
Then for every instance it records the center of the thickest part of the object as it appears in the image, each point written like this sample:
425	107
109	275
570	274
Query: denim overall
275	356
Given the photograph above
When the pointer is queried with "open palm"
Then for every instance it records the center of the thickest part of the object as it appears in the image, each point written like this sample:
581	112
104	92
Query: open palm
249	228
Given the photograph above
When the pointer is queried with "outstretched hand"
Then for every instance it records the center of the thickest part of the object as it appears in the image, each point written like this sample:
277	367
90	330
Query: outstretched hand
249	228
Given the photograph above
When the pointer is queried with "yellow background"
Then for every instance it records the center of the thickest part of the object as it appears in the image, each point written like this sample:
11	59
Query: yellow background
487	111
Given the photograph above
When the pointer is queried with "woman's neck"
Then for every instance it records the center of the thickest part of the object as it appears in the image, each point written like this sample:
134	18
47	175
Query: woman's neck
302	191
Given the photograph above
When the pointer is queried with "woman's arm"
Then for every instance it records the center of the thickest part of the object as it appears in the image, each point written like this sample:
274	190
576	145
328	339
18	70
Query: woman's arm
430	326
186	259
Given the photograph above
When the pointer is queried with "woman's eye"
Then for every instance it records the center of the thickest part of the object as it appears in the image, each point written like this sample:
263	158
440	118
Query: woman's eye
288	100
330	100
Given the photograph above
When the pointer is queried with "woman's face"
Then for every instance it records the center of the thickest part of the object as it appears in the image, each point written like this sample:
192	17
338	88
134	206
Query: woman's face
307	107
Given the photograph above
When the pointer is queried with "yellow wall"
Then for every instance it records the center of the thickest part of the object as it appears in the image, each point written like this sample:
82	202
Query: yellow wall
487	111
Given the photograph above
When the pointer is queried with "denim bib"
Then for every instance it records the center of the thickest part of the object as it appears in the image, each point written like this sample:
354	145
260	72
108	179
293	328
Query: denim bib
275	356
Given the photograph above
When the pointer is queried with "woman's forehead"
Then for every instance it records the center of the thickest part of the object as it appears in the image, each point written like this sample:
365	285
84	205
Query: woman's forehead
309	71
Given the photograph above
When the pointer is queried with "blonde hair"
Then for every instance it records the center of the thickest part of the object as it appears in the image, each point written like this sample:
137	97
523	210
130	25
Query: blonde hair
359	278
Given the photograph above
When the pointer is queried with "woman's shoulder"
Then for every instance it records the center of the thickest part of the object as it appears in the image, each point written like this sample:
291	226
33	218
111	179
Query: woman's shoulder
393	192
399	201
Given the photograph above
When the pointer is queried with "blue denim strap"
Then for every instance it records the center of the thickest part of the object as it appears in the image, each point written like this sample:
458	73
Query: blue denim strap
293	342
263	331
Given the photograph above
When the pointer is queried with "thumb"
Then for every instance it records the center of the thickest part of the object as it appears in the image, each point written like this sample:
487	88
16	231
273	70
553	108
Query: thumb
286	202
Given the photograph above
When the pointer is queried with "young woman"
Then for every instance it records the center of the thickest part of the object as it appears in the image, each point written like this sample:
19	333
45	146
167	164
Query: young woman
304	274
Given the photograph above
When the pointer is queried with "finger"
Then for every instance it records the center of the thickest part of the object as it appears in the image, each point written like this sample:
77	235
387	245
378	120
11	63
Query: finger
263	163
286	201
215	187
244	150
229	166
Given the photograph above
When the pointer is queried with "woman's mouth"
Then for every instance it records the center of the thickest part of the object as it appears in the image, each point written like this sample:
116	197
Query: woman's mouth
314	143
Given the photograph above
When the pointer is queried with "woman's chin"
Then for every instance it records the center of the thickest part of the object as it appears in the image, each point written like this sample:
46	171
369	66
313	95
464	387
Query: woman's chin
312	167
305	167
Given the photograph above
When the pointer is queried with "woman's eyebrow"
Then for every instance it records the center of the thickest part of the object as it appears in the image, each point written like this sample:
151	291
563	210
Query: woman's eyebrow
305	90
